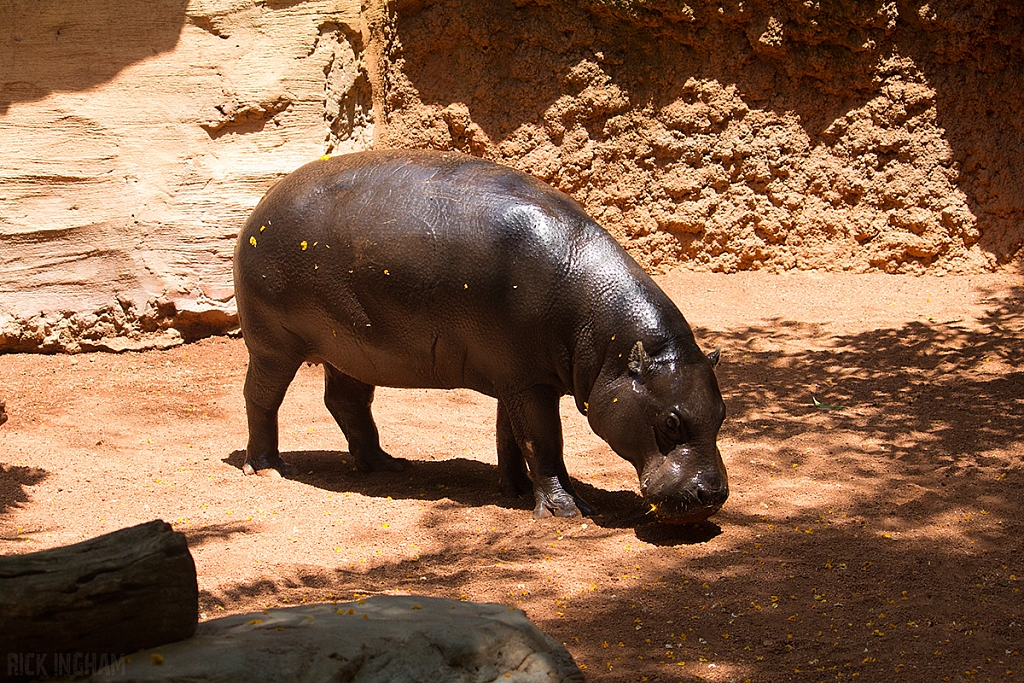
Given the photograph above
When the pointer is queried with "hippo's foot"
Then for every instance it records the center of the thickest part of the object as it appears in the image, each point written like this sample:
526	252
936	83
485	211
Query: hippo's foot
553	500
376	460
268	465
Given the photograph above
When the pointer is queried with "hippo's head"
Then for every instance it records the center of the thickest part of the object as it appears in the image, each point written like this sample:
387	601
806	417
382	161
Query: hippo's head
663	415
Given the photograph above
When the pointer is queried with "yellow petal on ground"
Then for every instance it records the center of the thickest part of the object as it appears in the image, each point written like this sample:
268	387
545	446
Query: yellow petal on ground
252	241
303	244
325	157
156	658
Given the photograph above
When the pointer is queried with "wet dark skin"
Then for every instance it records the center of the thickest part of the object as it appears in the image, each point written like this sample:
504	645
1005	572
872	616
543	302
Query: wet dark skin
439	270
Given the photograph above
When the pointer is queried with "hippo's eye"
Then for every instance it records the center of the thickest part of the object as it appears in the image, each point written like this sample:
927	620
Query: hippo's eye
671	433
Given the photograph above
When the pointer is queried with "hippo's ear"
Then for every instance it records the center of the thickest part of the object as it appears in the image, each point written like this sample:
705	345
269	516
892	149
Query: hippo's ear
639	362
715	356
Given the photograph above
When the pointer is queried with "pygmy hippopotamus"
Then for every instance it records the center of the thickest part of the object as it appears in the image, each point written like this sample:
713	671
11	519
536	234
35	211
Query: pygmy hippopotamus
439	270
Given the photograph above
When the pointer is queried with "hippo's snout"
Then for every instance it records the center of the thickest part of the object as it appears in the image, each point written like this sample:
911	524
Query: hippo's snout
682	490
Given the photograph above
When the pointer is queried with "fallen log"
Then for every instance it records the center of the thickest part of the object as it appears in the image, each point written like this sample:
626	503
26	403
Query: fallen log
109	596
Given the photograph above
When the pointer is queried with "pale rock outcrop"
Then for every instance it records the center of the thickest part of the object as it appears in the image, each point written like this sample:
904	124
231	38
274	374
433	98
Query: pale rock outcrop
134	140
383	639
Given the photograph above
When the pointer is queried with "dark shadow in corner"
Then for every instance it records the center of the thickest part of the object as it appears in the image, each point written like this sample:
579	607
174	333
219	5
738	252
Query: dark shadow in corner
972	54
13	480
73	45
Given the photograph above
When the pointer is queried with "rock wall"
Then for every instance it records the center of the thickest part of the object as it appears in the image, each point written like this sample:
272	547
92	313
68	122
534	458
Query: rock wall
736	135
733	135
135	137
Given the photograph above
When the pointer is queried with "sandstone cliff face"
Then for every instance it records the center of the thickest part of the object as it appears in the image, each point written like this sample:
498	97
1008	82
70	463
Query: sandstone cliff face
852	135
135	137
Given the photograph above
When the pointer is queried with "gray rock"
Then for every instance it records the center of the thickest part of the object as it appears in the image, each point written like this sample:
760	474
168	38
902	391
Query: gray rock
386	639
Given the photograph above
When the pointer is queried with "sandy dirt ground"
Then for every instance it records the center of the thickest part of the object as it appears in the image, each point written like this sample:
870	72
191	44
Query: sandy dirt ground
874	537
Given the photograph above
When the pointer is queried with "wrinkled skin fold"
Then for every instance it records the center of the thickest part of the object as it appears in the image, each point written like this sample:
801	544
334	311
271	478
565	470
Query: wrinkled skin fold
438	270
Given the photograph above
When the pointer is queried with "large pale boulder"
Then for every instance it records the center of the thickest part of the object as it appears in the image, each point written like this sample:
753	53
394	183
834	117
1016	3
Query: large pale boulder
384	639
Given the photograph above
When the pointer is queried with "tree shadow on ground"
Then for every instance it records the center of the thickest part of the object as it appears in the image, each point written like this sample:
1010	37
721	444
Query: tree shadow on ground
934	394
13	480
215	532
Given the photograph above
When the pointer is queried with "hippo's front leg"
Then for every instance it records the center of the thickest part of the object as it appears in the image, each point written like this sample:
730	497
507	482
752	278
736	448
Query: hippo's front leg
535	422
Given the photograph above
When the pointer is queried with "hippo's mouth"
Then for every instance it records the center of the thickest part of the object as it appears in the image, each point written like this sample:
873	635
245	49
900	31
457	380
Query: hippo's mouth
671	514
678	493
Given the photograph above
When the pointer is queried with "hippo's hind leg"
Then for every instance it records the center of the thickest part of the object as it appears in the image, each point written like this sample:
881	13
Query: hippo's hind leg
533	416
266	382
513	479
349	401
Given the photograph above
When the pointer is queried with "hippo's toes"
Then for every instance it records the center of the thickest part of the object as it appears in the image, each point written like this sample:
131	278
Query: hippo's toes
547	509
269	473
378	461
272	468
552	499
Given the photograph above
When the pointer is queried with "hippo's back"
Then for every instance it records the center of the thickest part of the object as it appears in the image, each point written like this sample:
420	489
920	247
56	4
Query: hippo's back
419	269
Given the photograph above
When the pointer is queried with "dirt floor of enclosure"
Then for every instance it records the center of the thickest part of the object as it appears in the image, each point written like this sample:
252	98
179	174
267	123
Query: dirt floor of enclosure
875	535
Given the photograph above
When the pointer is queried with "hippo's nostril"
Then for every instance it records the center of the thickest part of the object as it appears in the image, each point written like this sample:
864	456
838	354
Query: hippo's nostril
704	496
712	497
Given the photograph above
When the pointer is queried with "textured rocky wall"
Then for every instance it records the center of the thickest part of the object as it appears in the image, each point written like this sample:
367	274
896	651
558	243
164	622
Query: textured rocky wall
135	137
844	135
